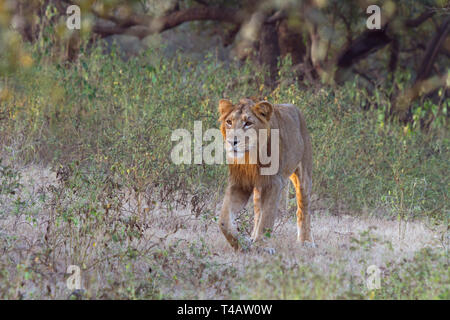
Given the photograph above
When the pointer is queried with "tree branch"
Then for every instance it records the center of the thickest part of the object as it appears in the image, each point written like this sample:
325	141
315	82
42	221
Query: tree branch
415	22
279	15
373	40
368	42
422	84
144	25
432	50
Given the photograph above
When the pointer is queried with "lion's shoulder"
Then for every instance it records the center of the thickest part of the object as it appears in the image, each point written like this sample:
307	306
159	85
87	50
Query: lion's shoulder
287	116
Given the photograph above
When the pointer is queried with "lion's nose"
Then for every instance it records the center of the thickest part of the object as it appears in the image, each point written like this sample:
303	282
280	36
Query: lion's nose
233	141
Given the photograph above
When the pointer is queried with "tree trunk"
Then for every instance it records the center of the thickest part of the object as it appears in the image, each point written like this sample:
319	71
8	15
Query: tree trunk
269	51
291	43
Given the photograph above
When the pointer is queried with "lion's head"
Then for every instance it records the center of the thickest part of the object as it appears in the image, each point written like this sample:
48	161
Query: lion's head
241	124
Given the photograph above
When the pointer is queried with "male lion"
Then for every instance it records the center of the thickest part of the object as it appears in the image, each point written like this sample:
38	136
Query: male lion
245	178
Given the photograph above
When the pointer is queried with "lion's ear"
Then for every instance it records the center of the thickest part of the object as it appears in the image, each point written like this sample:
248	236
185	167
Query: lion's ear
225	106
263	109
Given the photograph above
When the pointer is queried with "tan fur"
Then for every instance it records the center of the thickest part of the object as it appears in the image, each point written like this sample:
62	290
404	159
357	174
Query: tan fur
295	163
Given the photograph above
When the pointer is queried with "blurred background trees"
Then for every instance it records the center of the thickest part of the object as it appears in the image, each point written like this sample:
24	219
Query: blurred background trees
325	41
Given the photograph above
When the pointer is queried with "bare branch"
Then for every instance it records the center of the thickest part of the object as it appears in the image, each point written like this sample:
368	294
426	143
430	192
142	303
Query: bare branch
413	23
144	25
367	43
422	84
203	2
279	15
432	50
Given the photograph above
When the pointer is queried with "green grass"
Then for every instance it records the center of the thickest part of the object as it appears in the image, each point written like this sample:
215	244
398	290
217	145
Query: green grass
425	276
118	116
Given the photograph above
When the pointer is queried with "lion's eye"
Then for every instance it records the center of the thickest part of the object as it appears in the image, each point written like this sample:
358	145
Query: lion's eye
247	124
229	122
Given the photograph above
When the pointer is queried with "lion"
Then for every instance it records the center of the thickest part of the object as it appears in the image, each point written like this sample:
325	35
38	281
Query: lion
245	178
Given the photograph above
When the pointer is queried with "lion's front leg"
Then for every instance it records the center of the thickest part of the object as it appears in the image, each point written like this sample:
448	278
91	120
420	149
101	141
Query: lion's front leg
269	200
235	200
257	211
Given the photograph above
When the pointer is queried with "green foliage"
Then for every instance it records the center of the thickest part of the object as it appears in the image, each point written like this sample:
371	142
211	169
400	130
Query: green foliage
9	180
425	276
118	116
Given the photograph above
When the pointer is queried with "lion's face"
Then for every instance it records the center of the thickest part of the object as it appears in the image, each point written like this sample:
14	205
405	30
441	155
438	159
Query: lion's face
240	125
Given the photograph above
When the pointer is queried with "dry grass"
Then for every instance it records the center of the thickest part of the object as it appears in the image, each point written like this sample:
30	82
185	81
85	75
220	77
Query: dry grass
178	255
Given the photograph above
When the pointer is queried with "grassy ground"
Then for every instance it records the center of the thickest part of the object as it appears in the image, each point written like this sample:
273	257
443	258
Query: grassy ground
87	179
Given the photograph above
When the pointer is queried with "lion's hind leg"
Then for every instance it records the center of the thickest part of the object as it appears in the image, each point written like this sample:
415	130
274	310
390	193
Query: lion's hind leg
302	194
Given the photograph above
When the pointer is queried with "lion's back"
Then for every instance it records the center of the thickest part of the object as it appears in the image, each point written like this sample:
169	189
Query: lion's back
294	132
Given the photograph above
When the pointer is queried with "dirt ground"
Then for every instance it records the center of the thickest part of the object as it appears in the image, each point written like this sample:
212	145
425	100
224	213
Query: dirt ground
335	236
